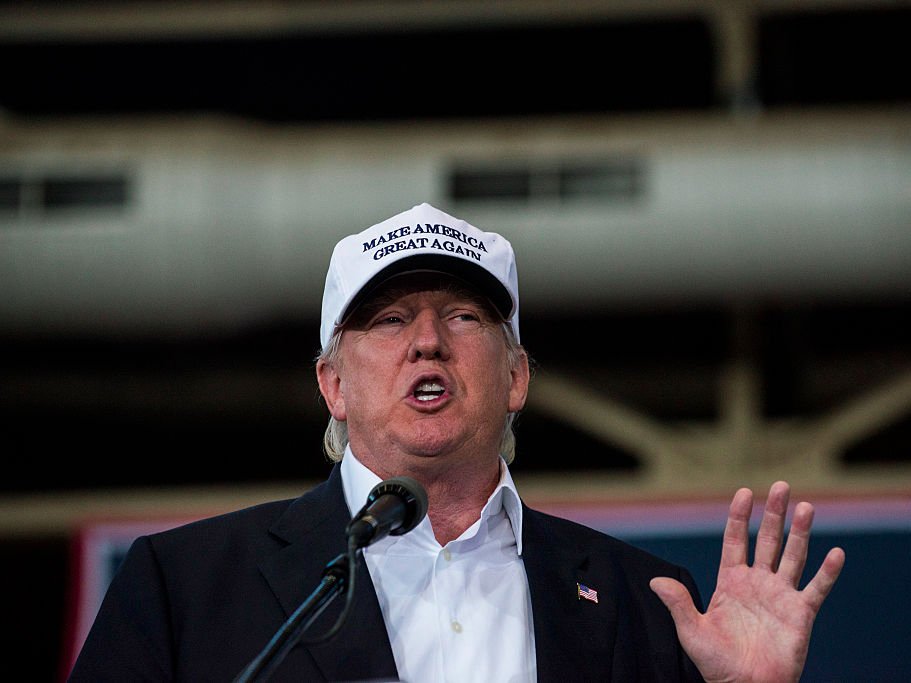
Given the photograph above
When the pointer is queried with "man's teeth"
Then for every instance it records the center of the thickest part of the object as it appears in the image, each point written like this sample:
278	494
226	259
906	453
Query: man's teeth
427	391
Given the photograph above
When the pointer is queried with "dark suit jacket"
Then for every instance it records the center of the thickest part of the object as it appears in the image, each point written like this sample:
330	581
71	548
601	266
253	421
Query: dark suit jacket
199	602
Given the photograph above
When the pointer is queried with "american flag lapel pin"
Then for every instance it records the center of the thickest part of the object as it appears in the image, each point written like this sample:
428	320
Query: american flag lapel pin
583	592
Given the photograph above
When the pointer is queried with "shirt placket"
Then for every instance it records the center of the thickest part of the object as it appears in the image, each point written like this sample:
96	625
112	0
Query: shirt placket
450	622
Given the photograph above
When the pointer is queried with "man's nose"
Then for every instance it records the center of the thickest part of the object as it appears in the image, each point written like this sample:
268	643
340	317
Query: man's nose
428	339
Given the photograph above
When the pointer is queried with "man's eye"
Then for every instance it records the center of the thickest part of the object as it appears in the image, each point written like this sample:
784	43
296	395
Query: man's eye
388	320
468	317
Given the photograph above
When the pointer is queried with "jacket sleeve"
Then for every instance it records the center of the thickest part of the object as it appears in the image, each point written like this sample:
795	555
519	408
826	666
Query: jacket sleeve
130	639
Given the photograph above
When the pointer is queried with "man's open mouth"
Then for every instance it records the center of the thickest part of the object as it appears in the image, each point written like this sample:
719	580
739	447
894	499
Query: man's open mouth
427	391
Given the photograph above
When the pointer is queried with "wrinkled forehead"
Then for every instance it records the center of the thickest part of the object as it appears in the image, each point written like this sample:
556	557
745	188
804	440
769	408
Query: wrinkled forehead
404	285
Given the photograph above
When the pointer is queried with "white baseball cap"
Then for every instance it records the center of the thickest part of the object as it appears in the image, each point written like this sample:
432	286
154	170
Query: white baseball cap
422	239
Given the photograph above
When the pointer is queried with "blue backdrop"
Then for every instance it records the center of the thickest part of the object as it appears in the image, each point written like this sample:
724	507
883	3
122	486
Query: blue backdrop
863	632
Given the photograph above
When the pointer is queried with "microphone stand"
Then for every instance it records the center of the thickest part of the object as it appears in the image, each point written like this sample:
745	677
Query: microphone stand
338	578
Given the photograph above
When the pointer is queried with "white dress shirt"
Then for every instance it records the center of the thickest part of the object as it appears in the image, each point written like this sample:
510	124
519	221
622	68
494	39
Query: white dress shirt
460	612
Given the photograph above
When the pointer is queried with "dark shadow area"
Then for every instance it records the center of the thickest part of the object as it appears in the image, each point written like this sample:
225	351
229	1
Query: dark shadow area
528	70
835	57
35	572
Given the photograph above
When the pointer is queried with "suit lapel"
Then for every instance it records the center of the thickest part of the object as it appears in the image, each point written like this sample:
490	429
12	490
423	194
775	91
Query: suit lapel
571	635
313	526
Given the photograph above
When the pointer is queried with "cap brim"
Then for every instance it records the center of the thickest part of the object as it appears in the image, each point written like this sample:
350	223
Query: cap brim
477	276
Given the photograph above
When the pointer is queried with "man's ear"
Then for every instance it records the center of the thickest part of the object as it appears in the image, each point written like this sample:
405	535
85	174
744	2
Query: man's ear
330	386
521	377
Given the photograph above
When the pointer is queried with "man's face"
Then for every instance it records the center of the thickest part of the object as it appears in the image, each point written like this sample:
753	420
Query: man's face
423	374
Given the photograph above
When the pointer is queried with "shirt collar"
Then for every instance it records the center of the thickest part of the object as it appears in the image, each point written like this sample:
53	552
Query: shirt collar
358	481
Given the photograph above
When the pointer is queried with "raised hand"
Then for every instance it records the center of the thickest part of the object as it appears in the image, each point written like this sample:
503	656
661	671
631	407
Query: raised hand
757	625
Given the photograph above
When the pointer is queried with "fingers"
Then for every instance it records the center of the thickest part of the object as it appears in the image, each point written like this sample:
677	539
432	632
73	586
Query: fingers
677	599
788	563
737	530
794	557
819	587
771	529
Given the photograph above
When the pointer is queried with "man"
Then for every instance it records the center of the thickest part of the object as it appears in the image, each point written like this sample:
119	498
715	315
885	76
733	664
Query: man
422	372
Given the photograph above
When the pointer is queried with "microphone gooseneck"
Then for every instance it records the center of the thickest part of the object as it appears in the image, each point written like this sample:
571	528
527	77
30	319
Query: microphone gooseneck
394	507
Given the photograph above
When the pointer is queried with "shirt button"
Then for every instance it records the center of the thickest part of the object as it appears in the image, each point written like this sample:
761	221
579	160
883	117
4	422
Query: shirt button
456	626
446	554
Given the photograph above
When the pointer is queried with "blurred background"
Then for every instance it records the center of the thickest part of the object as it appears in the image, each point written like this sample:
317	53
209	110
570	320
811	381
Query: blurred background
710	203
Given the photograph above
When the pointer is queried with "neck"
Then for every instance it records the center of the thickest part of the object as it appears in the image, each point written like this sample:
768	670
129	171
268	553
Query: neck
456	504
456	491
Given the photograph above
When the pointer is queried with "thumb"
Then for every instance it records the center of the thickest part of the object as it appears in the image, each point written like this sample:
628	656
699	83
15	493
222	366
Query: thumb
677	599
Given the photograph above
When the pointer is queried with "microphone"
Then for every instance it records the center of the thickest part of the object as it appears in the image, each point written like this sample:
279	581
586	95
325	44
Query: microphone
394	507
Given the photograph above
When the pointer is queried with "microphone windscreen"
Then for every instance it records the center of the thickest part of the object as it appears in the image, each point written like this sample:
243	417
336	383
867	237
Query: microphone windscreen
411	493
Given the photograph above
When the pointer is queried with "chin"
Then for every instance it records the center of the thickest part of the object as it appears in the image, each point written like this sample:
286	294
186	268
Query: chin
429	449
